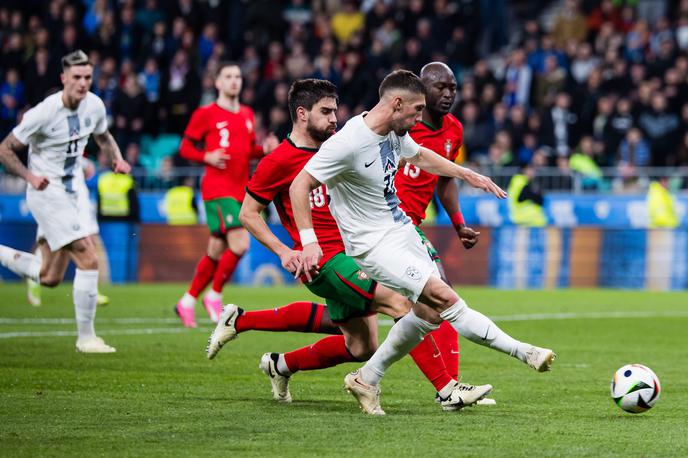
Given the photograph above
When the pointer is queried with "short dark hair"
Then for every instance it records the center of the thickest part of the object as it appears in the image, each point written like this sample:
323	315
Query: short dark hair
75	58
224	64
307	92
402	79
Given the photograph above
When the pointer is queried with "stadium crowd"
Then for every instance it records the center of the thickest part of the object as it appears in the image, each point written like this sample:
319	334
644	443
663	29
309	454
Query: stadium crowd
574	84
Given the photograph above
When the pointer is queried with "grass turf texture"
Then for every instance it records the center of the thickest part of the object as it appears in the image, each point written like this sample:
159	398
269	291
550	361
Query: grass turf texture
159	395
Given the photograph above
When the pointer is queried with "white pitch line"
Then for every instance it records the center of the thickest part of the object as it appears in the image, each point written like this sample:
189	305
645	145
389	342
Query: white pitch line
385	322
518	317
99	320
106	332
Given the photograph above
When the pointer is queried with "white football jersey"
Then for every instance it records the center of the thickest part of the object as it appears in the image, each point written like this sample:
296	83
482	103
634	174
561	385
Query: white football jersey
358	166
57	137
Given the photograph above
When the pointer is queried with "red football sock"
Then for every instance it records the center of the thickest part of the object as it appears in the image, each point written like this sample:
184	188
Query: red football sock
202	276
225	269
447	341
326	352
297	316
429	360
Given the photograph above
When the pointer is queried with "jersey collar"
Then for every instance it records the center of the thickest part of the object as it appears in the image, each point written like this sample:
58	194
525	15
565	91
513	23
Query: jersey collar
303	148
431	127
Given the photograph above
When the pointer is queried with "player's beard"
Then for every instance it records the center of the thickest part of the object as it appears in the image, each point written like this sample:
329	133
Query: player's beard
319	134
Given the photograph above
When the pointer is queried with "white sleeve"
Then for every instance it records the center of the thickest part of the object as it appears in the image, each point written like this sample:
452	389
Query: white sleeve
101	120
334	157
409	147
30	124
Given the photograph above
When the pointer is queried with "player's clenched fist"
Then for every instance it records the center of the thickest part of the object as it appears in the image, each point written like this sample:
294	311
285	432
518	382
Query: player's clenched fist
468	236
38	182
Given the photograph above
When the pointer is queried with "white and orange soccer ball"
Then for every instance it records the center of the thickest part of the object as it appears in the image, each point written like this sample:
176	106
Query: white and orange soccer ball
635	388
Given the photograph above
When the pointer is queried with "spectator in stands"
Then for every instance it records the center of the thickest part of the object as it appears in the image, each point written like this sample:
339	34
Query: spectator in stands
11	100
525	199
569	25
583	162
130	111
661	206
560	126
661	128
518	80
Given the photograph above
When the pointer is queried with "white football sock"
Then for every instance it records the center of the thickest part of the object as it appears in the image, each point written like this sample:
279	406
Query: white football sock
402	338
188	301
282	367
85	300
213	295
448	388
478	328
20	262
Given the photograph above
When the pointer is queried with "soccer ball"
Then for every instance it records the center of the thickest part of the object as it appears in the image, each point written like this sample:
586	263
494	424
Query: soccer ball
635	388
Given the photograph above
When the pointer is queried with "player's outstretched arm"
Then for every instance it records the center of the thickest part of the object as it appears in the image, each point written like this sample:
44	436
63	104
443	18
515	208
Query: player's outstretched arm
299	193
254	223
434	163
9	148
108	144
448	193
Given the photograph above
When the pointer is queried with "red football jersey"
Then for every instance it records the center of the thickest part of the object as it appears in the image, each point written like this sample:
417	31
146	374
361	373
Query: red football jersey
271	181
415	187
212	127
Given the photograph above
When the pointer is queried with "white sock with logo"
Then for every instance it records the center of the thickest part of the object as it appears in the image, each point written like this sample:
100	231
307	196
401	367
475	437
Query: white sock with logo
85	301
478	328
402	338
20	262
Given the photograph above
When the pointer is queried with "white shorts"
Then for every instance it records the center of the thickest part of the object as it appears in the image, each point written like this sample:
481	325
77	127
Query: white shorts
62	217
400	261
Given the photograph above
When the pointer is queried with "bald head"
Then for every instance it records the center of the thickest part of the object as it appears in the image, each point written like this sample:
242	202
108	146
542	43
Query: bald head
434	71
440	87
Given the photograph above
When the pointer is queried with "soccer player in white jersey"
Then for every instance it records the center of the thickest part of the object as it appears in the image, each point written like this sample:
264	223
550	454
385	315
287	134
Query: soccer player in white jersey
56	132
358	165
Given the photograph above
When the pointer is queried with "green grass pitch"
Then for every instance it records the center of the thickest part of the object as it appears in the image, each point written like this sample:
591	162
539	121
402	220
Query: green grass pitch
159	395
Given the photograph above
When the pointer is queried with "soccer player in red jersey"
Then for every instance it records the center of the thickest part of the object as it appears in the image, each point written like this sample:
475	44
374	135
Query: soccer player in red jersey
441	132
220	135
352	297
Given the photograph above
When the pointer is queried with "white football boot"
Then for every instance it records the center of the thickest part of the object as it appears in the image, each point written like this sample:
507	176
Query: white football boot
463	395
368	396
539	359
279	382
93	345
224	330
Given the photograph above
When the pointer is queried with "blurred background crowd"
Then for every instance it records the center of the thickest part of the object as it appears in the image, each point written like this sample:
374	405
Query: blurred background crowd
574	87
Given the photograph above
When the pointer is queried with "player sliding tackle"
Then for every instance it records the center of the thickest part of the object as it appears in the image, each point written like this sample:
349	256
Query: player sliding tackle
358	165
352	297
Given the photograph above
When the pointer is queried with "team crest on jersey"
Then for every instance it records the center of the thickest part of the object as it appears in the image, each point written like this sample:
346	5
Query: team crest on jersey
447	146
230	219
413	273
87	122
249	125
389	166
362	275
